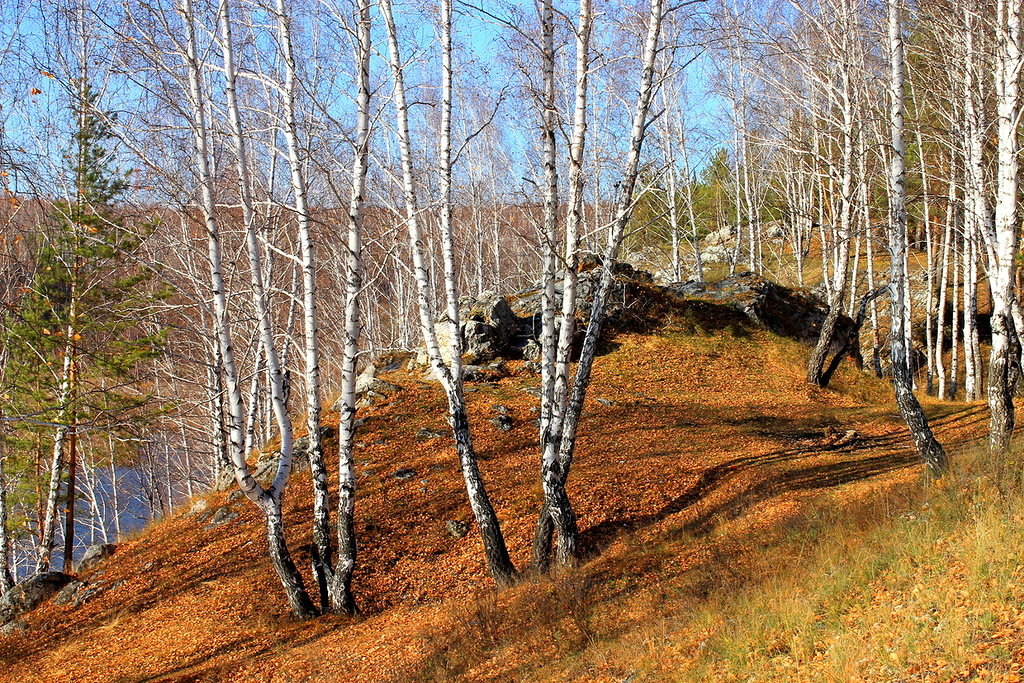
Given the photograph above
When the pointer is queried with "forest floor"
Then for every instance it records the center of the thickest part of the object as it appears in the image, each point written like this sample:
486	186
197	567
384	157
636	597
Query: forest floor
708	475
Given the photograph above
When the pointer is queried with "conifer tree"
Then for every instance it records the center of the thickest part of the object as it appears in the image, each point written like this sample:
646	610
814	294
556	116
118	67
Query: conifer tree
78	337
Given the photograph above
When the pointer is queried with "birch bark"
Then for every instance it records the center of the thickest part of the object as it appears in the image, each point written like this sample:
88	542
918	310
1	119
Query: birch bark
927	446
498	560
268	500
624	208
1003	248
342	598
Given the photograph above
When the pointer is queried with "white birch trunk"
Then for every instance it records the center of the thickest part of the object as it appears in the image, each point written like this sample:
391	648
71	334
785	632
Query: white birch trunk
321	504
1002	266
574	407
940	323
498	560
269	501
342	598
927	446
549	120
557	506
49	521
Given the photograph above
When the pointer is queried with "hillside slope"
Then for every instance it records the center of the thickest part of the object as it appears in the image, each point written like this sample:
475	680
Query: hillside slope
697	452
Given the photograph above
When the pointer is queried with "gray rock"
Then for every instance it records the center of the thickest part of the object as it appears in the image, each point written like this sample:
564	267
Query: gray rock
489	326
198	506
88	592
13	628
67	593
786	312
222	516
266	465
30	593
427	433
369	384
500	409
605	402
371	389
404	473
456	529
95	554
503	423
532	350
473	373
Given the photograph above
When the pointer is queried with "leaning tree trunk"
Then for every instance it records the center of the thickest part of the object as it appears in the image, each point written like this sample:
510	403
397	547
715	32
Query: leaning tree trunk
624	209
929	448
498	560
557	512
268	501
841	250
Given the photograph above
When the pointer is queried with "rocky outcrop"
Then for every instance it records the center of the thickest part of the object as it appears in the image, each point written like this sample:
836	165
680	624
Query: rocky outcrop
489	328
31	593
784	311
496	327
371	389
94	555
266	466
77	593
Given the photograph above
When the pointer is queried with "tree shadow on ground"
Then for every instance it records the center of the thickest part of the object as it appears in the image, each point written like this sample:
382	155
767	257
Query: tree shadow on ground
782	474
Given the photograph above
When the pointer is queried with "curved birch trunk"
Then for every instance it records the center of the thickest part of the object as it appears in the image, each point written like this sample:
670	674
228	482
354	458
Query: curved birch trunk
557	506
924	440
498	560
574	407
321	503
268	500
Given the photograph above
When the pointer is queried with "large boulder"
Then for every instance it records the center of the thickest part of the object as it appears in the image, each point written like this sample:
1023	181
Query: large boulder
371	389
266	465
625	306
30	593
95	554
489	327
499	327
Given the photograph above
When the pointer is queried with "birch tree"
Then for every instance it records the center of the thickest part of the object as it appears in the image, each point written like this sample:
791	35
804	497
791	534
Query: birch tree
924	440
321	503
559	444
1003	236
268	500
341	595
448	373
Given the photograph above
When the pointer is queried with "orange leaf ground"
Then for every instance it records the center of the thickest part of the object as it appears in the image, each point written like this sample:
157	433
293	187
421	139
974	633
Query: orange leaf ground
712	448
